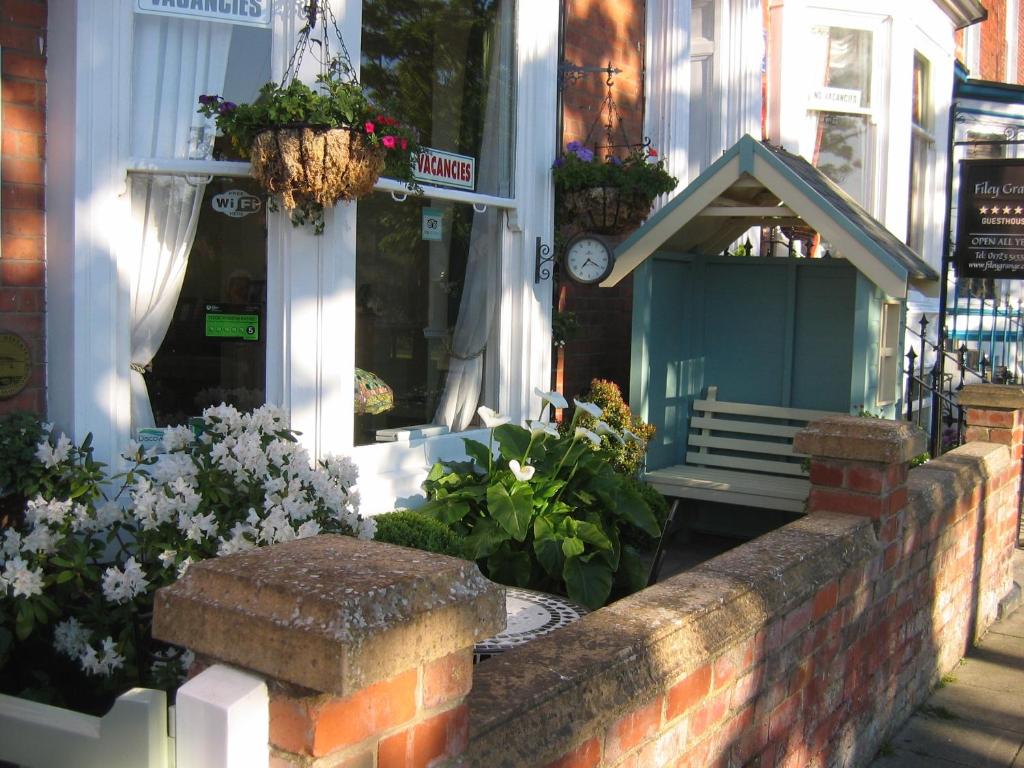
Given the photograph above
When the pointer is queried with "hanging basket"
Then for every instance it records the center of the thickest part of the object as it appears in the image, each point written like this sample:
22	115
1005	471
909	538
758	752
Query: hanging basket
605	210
315	165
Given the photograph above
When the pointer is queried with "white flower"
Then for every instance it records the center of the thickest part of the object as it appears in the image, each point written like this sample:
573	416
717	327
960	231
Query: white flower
70	638
50	456
603	428
538	428
523	474
120	586
589	408
587	434
167	557
366	528
133	452
40	510
177	438
555	398
94	664
40	539
25	581
12	544
630	436
491	418
307	529
197	527
183	566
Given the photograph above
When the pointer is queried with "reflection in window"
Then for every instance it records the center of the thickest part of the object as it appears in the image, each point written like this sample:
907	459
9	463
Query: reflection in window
426	279
840	102
448	67
214	350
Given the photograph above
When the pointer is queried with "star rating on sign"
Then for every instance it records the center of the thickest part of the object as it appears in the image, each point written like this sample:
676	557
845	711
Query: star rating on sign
1018	210
1006	209
983	210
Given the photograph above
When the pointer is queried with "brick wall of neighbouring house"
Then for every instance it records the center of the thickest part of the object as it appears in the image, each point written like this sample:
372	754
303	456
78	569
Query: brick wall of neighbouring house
597	32
993	44
22	246
806	647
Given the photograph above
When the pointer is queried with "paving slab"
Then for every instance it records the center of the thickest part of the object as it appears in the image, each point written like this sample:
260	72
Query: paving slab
971	704
958	741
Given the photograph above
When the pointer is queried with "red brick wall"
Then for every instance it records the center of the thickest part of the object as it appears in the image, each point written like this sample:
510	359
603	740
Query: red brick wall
597	32
993	43
848	624
22	247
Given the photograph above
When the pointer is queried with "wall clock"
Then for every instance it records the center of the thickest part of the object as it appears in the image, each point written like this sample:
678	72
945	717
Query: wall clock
588	259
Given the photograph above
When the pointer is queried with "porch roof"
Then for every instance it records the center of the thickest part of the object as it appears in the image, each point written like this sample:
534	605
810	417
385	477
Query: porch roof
754	184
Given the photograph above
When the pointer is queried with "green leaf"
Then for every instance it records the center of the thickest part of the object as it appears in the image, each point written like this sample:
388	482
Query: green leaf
547	547
508	567
513	441
485	539
513	512
592	534
25	622
477	451
572	546
631	506
65	576
450	511
632	573
589	583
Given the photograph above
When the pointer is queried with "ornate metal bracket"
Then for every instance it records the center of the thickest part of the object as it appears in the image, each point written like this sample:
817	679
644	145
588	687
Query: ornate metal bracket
569	72
544	256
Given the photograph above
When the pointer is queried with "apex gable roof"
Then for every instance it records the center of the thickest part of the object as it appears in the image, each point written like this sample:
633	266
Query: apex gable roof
755	184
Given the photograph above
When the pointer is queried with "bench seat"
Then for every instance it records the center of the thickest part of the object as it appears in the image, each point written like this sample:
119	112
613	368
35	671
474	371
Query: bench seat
731	487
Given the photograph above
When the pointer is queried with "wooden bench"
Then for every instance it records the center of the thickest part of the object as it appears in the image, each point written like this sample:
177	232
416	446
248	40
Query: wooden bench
737	453
741	453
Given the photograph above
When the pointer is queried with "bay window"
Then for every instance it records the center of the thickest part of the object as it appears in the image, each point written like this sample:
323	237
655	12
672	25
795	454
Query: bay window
173	285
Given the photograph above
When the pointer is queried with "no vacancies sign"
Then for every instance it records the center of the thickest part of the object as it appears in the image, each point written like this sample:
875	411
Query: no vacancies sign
253	12
437	167
990	229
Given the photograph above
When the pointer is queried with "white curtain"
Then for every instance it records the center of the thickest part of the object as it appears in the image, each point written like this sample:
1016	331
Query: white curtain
479	304
175	61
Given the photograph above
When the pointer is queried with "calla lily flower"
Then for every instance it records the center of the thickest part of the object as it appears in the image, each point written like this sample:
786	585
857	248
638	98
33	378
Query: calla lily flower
587	434
589	408
538	428
491	418
630	436
603	428
522	473
555	398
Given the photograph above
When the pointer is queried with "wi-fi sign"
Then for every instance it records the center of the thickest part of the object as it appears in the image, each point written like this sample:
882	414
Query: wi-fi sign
237	203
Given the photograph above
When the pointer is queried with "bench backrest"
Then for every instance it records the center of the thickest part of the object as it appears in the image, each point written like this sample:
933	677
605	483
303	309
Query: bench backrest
747	437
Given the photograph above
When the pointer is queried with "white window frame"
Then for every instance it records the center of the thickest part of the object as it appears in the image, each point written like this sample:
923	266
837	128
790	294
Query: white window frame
888	354
311	279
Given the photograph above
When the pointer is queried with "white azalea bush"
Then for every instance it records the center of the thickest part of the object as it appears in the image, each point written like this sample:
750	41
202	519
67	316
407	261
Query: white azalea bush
78	573
548	510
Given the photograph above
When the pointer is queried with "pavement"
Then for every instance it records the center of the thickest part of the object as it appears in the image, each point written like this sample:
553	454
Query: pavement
976	718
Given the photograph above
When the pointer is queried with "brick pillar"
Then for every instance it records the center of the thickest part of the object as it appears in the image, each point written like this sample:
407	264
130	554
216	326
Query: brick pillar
367	648
860	466
995	414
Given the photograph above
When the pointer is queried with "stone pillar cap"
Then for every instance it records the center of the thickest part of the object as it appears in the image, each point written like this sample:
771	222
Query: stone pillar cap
332	613
861	439
1007	397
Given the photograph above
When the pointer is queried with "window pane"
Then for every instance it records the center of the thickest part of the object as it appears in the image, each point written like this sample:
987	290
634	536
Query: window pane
843	61
177	60
420	310
841	152
921	153
215	347
920	110
448	66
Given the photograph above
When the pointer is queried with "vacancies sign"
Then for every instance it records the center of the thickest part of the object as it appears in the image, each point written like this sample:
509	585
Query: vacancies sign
252	12
990	229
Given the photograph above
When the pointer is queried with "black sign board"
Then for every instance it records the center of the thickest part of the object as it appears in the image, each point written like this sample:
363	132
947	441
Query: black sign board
990	229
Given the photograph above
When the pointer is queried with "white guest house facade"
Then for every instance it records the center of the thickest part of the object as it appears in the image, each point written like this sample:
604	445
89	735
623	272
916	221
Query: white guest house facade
171	286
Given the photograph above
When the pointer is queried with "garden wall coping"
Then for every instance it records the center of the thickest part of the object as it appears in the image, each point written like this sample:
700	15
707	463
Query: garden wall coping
330	613
573	683
1000	396
855	438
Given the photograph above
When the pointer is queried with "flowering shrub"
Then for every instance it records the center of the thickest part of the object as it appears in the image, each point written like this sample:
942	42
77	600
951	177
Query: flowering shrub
639	174
547	511
626	455
77	578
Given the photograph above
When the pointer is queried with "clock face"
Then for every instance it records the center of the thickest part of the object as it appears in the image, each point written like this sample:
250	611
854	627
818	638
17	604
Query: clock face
588	260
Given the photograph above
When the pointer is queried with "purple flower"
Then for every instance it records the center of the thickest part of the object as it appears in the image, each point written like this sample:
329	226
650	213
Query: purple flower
204	99
559	162
574	146
615	161
584	154
227	106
